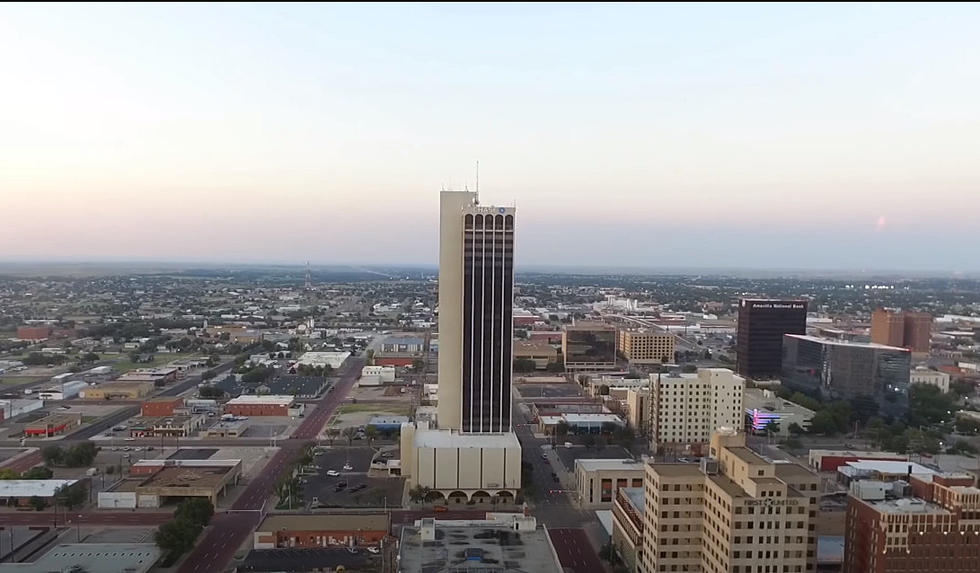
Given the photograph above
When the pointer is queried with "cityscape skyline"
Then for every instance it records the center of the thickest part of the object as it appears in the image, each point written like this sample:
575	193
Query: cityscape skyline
236	134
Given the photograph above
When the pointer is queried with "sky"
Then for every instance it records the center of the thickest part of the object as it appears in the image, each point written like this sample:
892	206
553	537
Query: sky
742	136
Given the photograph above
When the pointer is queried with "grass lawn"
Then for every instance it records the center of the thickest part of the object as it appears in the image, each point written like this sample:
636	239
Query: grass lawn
125	365
12	380
396	409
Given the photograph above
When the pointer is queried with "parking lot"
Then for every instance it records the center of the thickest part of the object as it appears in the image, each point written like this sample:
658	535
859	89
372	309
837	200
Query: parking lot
373	492
549	390
310	560
567	456
193	453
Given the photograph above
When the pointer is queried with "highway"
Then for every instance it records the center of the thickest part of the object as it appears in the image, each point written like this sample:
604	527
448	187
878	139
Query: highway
228	531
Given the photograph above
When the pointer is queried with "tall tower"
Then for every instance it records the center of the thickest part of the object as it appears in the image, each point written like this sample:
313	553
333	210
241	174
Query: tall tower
476	301
309	277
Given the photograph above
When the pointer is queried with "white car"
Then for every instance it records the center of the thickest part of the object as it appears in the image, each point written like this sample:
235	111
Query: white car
374	550
333	473
348	467
130	439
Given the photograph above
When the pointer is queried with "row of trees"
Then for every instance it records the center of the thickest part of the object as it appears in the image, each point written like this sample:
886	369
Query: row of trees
177	536
78	455
37	472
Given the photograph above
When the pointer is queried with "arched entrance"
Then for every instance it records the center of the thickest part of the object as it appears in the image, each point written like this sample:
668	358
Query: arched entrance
480	497
435	496
457	497
504	497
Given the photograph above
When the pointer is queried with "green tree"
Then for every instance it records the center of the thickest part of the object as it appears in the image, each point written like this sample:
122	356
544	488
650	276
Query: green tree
177	536
38	503
524	365
561	429
7	473
963	388
772	428
371	433
210	392
195	510
38	472
588	440
796	429
332	434
82	454
928	405
71	496
348	433
53	455
823	423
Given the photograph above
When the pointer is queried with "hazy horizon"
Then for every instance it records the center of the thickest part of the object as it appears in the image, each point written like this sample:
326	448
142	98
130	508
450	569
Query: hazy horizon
749	137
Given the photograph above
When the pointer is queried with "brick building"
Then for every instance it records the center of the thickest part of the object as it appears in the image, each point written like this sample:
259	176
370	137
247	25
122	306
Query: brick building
161	406
930	524
53	425
33	332
910	330
322	530
251	405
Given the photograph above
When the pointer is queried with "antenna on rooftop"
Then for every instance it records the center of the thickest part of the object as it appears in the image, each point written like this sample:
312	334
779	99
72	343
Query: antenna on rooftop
478	177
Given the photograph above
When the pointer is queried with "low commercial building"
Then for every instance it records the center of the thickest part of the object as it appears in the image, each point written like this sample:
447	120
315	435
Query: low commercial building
226	429
830	460
161	406
253	405
332	359
321	530
171	482
93	557
880	470
53	425
159	376
922	375
34	333
627	530
12	408
581	423
540	353
118	391
179	426
62	390
388	423
503	543
377	375
597	481
461	467
932	527
18	492
403	345
764	408
647	346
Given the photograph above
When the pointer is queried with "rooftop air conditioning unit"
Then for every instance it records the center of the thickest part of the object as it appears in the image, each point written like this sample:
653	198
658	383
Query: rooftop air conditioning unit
709	466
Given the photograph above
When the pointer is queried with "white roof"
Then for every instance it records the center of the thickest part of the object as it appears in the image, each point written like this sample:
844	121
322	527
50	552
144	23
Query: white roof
450	439
255	399
32	487
845	342
889	467
584	418
591	465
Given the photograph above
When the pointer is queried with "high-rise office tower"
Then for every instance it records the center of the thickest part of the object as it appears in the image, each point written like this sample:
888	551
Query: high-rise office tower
761	326
910	330
476	303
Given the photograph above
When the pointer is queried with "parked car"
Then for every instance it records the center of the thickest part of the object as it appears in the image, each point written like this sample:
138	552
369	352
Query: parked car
348	467
441	509
373	550
333	473
358	487
130	439
352	550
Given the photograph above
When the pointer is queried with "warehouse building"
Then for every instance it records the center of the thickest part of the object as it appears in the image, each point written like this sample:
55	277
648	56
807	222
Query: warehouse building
321	530
272	405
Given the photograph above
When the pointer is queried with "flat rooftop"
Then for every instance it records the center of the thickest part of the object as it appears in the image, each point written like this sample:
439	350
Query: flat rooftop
451	439
591	465
32	487
636	497
491	547
187	477
747	455
324	522
678	470
254	399
790	471
888	467
101	557
907	505
831	342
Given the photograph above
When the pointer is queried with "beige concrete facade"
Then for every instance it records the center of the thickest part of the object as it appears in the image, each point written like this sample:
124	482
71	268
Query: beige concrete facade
686	408
931	377
451	207
461	467
647	347
597	481
734	513
540	353
638	411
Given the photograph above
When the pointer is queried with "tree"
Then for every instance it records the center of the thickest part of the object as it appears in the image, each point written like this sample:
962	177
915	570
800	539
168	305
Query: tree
963	388
418	364
38	503
561	429
210	392
624	436
7	473
689	368
82	454
772	428
349	432
177	536
600	443
71	496
928	405
37	472
823	423
195	510
53	455
419	493
588	441
524	365
795	429
332	434
371	432
583	380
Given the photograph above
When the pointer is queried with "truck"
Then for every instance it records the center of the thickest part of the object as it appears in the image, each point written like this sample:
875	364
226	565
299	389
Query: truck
91	472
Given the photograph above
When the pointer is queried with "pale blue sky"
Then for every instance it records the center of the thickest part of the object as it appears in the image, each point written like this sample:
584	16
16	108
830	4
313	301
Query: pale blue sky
818	136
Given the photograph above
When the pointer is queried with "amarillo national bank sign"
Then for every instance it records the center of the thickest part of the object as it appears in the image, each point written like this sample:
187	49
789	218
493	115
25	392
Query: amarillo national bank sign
769	305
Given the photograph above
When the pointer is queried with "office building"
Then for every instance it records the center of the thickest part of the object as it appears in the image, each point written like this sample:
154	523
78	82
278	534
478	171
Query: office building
910	330
929	523
835	370
685	409
646	347
734	512
264	405
474	454
589	346
627	530
759	338
922	375
598	480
